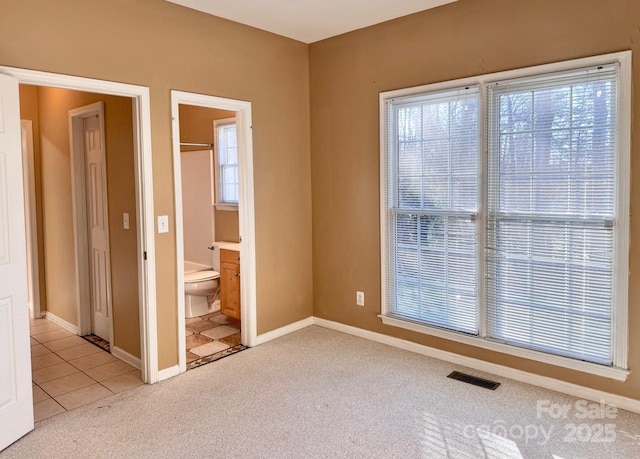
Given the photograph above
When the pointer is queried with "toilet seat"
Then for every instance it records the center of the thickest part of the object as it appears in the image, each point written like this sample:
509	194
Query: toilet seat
201	276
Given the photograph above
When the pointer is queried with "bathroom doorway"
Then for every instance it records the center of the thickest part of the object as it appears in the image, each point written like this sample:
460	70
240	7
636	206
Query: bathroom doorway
212	146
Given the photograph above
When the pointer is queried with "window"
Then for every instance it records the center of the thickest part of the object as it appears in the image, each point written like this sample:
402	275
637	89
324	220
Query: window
434	219
505	212
226	148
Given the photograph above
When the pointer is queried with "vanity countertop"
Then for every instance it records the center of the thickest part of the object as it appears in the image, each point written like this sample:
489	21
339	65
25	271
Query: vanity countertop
226	245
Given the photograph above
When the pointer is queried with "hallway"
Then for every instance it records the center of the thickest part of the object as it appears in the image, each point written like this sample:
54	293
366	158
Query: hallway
69	372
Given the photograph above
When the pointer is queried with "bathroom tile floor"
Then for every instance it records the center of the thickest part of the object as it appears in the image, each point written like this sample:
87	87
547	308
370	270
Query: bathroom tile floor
69	372
211	337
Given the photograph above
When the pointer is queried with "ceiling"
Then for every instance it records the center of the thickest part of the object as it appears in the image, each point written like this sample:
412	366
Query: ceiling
310	20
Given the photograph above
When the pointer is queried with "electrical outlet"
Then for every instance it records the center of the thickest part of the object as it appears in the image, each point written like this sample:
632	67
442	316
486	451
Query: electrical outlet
360	298
125	220
163	224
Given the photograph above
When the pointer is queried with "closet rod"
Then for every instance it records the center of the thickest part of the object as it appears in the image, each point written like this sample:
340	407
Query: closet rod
191	144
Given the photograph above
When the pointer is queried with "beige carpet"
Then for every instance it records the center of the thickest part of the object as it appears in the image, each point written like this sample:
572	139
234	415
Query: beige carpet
319	393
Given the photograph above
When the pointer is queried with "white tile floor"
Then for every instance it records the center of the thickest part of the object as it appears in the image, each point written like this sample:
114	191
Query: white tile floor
69	372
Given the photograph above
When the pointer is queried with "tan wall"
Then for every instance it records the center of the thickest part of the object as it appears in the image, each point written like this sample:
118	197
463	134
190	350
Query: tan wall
59	266
196	126
462	39
227	225
29	111
164	46
57	223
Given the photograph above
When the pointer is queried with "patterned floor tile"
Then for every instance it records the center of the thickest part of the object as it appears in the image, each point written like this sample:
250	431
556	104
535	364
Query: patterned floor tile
220	319
201	326
214	357
197	340
209	348
232	340
220	332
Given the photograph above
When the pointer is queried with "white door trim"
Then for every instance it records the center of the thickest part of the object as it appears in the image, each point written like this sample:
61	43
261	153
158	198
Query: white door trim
31	221
82	238
246	212
144	195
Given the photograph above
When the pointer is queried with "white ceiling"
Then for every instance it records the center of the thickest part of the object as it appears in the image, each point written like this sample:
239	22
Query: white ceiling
310	20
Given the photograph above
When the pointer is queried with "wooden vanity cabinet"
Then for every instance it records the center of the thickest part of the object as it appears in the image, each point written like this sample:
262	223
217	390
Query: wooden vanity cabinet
230	283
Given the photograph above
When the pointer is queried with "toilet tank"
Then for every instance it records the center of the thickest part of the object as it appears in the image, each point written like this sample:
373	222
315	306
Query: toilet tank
192	267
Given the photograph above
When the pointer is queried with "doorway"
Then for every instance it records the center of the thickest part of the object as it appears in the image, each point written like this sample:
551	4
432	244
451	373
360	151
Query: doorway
229	195
84	170
142	191
21	406
91	221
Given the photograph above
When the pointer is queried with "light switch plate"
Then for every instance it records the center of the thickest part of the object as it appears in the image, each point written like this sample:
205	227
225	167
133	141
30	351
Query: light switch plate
125	220
163	224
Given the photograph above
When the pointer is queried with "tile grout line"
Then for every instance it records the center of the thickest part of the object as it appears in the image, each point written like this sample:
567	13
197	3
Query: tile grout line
64	360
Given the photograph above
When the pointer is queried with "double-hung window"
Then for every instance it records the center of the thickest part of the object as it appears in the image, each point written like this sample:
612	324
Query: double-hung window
505	212
433	206
226	149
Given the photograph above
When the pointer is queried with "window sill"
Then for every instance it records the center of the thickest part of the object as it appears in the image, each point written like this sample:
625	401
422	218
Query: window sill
615	373
223	206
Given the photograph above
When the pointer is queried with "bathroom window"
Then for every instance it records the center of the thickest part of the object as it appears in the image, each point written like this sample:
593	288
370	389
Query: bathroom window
505	208
226	149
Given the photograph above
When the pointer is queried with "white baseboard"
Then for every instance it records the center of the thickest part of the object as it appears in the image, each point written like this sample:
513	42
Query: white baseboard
168	373
126	357
61	322
279	332
575	390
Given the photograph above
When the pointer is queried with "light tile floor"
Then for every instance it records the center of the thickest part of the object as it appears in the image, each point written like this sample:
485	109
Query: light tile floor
69	372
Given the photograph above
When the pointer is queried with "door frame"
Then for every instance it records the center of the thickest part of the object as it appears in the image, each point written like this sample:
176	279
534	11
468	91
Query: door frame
31	222
82	239
246	211
141	109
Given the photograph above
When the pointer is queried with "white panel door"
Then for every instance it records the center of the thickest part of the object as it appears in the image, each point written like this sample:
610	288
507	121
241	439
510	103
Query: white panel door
98	227
16	406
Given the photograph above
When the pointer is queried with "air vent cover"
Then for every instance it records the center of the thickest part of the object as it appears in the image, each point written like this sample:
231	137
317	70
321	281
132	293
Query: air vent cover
491	385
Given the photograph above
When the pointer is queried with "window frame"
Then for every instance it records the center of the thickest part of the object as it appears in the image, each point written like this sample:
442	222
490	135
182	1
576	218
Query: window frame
619	369
219	203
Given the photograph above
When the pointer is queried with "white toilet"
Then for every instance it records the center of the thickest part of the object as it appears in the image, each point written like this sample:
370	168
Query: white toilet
201	290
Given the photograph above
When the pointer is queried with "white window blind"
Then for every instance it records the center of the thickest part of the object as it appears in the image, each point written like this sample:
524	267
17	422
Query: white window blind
432	208
551	213
505	212
227	157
